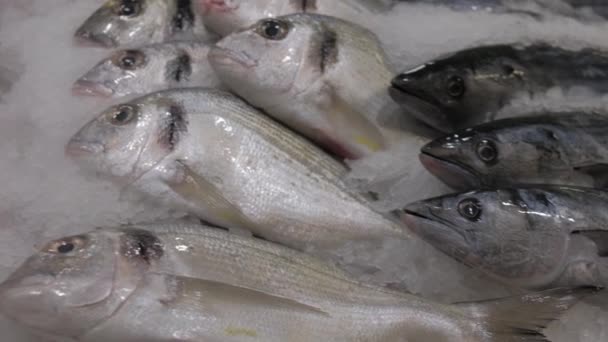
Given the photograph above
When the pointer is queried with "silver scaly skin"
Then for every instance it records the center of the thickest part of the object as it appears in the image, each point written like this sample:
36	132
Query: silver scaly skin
191	283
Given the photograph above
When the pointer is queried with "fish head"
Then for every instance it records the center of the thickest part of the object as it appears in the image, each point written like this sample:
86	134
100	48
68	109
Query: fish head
136	71
504	152
226	16
456	92
127	140
509	233
269	61
125	22
72	284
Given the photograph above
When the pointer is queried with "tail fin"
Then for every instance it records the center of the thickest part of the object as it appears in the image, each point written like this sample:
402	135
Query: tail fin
522	319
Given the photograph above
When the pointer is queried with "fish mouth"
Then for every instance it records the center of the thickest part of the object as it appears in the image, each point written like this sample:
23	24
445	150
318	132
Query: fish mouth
84	38
88	88
80	148
217	6
422	107
454	175
230	58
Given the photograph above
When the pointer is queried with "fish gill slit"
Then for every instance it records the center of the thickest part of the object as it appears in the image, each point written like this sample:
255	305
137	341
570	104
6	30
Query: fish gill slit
309	5
175	125
184	16
180	68
329	49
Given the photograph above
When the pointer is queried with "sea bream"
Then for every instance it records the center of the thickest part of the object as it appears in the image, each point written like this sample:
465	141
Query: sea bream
137	22
209	153
533	237
324	77
191	283
553	148
469	87
226	16
149	68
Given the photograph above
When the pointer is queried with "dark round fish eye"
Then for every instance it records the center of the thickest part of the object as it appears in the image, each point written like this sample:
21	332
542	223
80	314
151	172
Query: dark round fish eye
470	208
273	29
487	151
128	8
122	115
456	87
129	59
65	248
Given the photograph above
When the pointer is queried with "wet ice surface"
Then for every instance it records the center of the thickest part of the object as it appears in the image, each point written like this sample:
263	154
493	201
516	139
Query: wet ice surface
45	196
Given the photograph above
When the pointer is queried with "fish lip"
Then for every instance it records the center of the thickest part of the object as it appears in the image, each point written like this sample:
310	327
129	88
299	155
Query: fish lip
226	57
216	6
85	38
89	88
426	110
78	148
472	181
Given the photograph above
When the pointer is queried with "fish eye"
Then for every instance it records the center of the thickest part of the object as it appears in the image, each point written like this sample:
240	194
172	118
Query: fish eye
122	115
129	59
470	208
128	8
487	151
456	87
67	245
273	29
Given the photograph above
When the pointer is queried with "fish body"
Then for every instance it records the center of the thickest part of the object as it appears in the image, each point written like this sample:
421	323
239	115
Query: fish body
322	76
471	86
203	284
149	68
209	153
226	16
137	22
532	237
558	148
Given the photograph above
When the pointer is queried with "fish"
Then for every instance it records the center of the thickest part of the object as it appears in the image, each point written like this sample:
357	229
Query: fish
138	22
324	77
203	284
208	153
470	86
148	69
226	16
567	148
533	237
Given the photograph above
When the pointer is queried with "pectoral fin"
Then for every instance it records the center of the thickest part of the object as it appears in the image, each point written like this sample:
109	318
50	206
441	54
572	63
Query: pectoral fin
214	297
206	196
599	237
599	172
353	128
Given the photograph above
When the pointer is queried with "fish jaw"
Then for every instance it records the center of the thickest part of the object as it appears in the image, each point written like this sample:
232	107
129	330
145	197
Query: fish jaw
452	174
85	38
227	58
84	87
421	109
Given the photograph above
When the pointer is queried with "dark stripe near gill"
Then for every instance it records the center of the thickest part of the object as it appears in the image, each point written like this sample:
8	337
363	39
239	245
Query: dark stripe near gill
329	48
174	125
309	5
180	68
184	17
142	244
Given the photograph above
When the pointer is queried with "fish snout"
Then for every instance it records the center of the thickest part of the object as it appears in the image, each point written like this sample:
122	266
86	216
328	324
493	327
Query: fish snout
450	173
221	56
85	38
78	147
88	88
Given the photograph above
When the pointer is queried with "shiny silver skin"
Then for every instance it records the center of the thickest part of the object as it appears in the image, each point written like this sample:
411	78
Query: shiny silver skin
534	237
191	283
470	86
226	16
324	77
136	22
548	148
209	153
149	68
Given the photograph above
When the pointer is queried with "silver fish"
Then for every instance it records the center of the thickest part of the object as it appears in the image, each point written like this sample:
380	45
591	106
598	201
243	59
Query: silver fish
550	148
323	77
149	68
189	283
533	237
137	22
209	153
471	86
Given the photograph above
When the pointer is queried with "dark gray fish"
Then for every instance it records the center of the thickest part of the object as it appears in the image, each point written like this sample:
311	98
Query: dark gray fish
535	237
470	86
564	149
